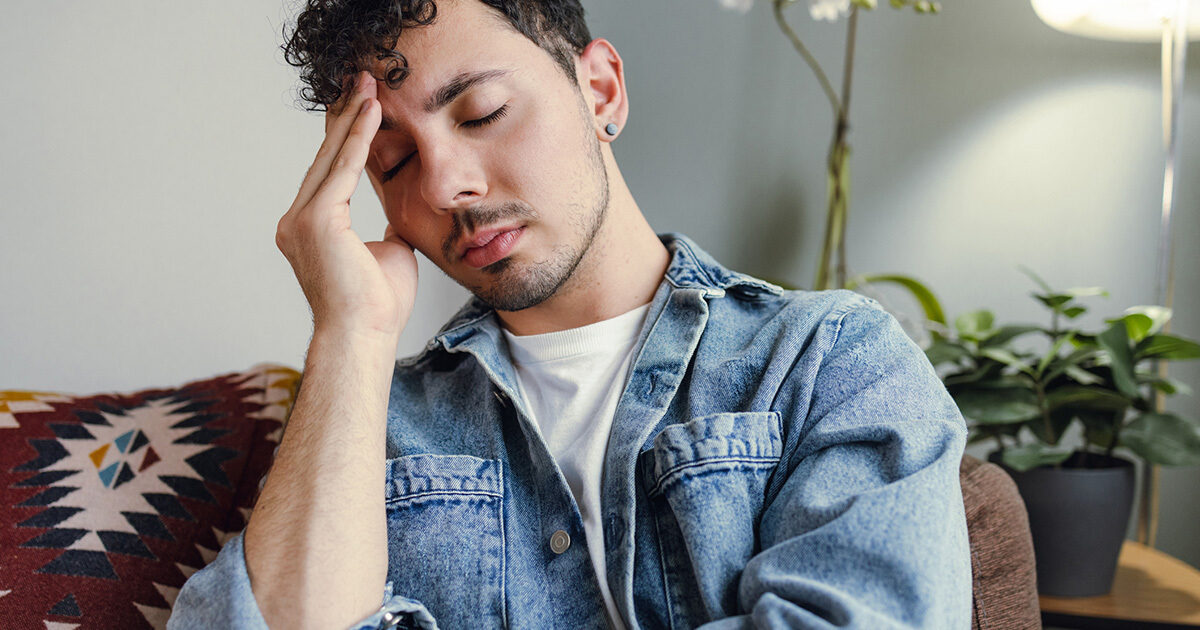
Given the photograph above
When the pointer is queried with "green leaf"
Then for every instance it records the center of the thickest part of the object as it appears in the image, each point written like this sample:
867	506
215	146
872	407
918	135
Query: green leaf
1074	311
1079	292
1005	334
1084	340
1168	386
1158	315
1143	321
1053	300
1030	456
1036	278
1115	341
1163	438
943	351
1137	325
997	406
971	376
975	323
923	295
1014	381
1100	425
1167	347
1007	358
1072	361
1079	396
1052	354
1057	299
1081	376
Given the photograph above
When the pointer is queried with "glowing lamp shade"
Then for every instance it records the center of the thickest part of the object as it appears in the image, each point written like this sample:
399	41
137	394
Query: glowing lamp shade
1121	20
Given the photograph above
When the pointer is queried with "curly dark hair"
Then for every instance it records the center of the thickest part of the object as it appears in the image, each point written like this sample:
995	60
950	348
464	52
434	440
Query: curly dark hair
335	39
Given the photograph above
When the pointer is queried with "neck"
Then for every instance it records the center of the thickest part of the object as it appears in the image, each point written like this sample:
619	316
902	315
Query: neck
619	272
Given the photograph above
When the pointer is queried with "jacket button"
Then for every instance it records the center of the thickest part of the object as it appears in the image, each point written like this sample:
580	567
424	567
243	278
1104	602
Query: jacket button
560	541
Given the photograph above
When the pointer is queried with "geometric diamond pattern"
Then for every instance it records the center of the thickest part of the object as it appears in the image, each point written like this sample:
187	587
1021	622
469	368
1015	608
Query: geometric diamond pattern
110	502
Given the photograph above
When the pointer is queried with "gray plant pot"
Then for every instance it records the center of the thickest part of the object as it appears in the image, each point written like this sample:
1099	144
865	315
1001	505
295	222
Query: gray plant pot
1078	517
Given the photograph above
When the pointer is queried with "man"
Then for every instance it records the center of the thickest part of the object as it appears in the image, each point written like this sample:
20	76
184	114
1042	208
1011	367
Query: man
616	431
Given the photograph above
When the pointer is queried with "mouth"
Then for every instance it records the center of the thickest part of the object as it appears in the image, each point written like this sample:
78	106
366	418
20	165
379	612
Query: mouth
490	245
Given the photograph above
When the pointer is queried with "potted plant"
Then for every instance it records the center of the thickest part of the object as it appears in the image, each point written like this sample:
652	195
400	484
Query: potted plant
1028	387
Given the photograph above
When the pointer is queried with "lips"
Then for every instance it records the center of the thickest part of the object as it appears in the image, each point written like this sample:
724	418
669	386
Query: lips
490	245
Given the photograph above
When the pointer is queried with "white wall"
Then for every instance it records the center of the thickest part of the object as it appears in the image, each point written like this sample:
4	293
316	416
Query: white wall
150	149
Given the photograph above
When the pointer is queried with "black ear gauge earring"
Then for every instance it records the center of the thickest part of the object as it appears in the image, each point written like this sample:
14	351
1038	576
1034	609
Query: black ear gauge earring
611	129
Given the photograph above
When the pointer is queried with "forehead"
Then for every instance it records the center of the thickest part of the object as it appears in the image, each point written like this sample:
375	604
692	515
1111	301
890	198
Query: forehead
467	37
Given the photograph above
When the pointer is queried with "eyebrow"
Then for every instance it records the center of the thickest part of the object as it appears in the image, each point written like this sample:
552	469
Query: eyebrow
446	94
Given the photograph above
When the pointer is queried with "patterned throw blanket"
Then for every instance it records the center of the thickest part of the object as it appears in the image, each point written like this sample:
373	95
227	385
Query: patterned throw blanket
111	501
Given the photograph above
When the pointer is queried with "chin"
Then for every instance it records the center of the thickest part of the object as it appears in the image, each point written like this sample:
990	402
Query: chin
512	286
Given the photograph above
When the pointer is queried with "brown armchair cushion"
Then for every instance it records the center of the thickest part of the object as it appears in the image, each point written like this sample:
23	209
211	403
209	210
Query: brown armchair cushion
1003	570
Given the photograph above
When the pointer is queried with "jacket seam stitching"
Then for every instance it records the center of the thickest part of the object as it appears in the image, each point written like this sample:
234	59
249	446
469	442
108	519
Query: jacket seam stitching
772	488
451	493
503	555
665	477
662	564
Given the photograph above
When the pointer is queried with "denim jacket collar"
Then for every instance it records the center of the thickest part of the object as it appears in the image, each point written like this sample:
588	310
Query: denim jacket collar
691	268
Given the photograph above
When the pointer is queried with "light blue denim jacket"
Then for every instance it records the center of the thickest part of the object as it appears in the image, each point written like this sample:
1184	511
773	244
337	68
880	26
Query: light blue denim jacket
778	459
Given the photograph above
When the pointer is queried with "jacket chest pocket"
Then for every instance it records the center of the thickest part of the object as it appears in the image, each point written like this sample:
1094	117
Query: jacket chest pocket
706	481
445	536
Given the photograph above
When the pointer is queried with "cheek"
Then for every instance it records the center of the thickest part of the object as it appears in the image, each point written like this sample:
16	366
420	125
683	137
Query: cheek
418	232
548	155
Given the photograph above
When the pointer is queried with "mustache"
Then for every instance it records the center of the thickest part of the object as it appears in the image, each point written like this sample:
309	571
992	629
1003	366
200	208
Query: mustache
472	219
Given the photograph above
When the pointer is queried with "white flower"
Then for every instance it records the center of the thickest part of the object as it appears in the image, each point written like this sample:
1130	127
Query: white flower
741	6
828	10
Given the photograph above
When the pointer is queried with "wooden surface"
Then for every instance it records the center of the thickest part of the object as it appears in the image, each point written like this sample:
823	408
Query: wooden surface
1149	586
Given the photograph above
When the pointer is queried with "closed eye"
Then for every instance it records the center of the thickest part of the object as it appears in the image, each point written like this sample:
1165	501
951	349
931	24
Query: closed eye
473	124
489	119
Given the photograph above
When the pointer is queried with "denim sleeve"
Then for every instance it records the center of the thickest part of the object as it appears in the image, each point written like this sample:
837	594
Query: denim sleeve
219	596
866	527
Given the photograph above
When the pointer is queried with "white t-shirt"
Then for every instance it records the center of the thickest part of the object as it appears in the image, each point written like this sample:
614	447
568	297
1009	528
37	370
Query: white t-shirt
571	381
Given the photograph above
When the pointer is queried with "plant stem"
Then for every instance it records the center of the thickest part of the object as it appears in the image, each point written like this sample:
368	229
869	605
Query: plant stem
835	213
1041	395
808	58
843	126
1118	422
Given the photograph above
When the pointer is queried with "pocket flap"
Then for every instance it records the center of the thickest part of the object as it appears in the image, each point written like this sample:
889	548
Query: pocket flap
428	474
746	437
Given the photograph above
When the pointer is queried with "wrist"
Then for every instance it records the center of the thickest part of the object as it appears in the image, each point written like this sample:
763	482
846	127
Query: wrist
357	341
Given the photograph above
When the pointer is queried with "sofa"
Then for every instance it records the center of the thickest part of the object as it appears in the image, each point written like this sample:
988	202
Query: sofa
112	500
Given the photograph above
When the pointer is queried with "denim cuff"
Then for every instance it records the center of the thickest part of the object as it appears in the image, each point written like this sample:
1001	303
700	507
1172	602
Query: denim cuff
399	613
219	595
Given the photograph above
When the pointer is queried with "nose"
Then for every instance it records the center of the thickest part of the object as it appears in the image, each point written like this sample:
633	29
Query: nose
452	176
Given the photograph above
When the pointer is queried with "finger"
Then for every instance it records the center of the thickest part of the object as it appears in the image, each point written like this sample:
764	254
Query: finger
347	167
339	121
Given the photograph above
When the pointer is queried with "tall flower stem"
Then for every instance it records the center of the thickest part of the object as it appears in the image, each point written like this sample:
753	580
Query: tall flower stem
778	5
837	165
839	142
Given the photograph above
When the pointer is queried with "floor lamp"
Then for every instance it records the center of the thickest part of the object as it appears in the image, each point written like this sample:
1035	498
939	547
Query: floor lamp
1173	23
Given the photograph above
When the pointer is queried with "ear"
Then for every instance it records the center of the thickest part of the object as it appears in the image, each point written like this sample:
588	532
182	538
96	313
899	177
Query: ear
602	77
